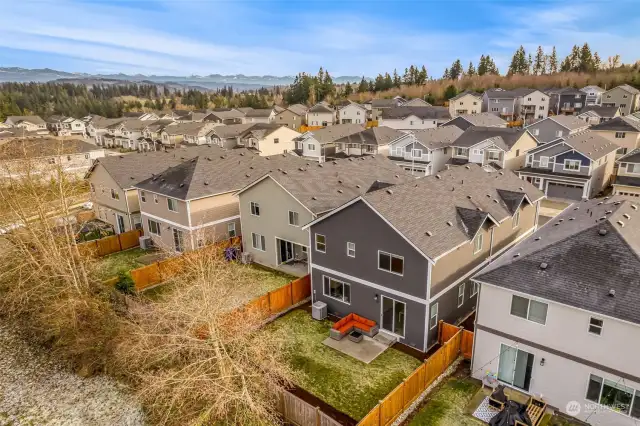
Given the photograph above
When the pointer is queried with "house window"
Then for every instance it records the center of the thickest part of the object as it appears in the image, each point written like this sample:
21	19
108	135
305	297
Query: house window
573	165
517	153
544	161
536	132
633	168
516	219
461	295
595	326
154	227
321	243
294	218
541	108
477	152
620	135
416	153
258	241
433	316
336	289
276	140
529	99
114	194
255	208
155	198
614	395
474	288
494	155
172	204
231	229
390	263
529	309
578	105
393	315
351	249
478	242
311	147
411	123
495	109
559	133
461	152
515	367
143	196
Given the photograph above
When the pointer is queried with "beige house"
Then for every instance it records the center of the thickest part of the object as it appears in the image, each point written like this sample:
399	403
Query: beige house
627	181
623	131
467	102
269	139
352	112
292	117
625	97
175	135
193	204
321	114
30	123
47	157
263	115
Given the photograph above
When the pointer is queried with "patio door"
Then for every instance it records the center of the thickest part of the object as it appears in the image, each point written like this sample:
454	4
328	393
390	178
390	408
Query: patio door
286	252
178	240
393	315
120	223
515	367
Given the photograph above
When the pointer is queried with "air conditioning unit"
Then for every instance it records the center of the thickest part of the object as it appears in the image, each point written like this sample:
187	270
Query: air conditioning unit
146	243
246	257
319	311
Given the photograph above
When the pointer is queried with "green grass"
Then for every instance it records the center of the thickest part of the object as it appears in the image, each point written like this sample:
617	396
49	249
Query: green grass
549	420
447	404
122	261
345	383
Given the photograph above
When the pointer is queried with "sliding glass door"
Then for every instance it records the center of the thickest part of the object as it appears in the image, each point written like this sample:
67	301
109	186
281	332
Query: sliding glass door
393	313
515	367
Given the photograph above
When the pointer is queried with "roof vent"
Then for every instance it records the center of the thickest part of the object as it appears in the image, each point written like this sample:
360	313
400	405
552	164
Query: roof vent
561	220
616	203
577	208
467	167
572	218
612	293
339	181
633	206
605	198
248	175
397	176
284	172
603	218
340	191
358	186
521	188
501	173
544	266
469	196
390	192
449	223
621	223
314	198
181	185
626	215
556	224
121	156
495	201
516	255
320	165
602	232
538	238
608	212
429	233
162	180
131	177
335	162
488	196
600	203
438	177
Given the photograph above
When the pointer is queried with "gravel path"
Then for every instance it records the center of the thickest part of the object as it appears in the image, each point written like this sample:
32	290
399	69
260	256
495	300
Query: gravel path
36	391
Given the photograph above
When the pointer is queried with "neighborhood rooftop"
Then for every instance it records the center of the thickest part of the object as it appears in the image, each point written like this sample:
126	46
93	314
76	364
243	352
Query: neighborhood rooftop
373	136
42	147
631	157
600	110
620	124
333	133
438	137
605	235
591	144
486	119
422	112
504	138
569	121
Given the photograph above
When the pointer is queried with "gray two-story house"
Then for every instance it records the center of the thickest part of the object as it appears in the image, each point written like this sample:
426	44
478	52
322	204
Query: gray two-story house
566	100
574	168
402	255
626	97
557	126
500	102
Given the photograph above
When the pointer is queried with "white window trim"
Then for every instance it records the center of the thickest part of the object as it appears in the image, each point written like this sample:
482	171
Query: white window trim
231	225
260	240
351	249
474	288
335	298
149	225
431	316
546	161
529	309
316	243
591	317
511	385
566	161
477	250
516	220
404	322
390	261
169	202
251	209
461	289
636	394
297	216
414	151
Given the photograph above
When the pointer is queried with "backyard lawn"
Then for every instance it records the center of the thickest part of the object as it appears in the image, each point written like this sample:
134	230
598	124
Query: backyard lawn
122	261
447	404
345	383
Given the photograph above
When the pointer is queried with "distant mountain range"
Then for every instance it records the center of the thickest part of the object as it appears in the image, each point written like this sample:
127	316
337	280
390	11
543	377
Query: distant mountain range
213	81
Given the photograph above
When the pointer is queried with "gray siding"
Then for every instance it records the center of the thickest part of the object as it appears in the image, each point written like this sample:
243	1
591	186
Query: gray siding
448	309
558	102
558	167
503	105
547	130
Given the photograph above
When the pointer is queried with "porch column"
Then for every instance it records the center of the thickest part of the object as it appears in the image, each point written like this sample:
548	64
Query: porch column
586	190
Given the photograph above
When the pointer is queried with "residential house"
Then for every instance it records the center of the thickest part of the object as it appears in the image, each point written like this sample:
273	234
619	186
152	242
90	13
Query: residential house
627	180
292	117
175	135
8	133
559	314
414	118
178	115
145	116
224	116
626	97
269	139
482	119
54	123
274	207
375	140
424	152
30	123
495	147
379	105
265	115
623	131
596	114
151	135
465	103
197	135
193	204
576	167
352	112
532	104
594	95
566	100
416	102
501	102
556	126
127	133
321	114
98	128
229	136
431	235
320	144
47	157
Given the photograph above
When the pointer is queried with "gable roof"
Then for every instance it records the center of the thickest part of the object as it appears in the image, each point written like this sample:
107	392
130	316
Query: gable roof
184	128
224	115
591	248
131	125
297	109
259	113
333	133
326	186
33	119
503	137
466	93
214	170
569	122
620	124
428	211
483	119
230	130
630	157
425	113
416	102
501	94
155	126
321	107
347	103
626	88
600	111
384	103
565	91
373	136
439	137
592	88
43	147
590	144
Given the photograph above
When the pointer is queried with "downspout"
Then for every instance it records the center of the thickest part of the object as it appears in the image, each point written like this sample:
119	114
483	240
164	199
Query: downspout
491	244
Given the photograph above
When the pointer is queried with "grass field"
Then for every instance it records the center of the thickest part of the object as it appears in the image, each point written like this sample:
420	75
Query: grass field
122	261
446	405
345	383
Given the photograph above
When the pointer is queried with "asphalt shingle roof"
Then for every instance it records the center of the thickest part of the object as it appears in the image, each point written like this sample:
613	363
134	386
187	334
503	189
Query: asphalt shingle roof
298	109
331	134
569	122
599	110
321	107
439	137
373	136
629	89
259	113
591	144
483	119
426	211
620	124
43	147
465	93
590	249
422	112
503	137
631	157
33	119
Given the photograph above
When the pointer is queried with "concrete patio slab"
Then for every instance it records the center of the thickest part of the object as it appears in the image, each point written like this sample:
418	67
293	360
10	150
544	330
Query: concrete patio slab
366	351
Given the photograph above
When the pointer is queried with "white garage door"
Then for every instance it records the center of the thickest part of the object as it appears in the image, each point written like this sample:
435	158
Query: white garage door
565	191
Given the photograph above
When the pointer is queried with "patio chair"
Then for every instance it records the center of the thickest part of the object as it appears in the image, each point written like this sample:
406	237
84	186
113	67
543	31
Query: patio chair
535	409
353	322
497	399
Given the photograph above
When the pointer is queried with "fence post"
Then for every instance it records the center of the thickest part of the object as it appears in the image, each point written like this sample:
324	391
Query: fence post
119	242
380	413
291	292
440	331
318	422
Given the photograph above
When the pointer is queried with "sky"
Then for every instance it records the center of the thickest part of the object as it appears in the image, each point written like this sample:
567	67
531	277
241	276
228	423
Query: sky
262	37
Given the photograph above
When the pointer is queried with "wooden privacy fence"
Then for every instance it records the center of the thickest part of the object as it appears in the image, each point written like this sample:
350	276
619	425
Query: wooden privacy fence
281	299
302	413
111	244
388	410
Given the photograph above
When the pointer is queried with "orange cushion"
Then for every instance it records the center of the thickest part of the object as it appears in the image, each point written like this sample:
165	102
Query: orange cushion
342	322
363	327
345	329
364	320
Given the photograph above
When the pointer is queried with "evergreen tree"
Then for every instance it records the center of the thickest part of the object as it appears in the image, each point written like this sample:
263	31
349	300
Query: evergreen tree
519	62
450	92
372	88
406	78
364	86
397	82
388	82
539	66
456	70
348	90
553	62
422	75
597	62
471	71
482	65
446	75
586	59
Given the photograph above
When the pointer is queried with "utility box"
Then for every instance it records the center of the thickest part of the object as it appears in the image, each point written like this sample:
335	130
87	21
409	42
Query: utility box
319	311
